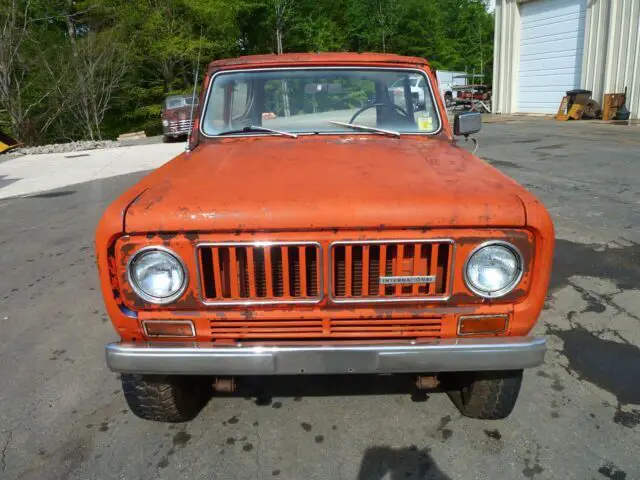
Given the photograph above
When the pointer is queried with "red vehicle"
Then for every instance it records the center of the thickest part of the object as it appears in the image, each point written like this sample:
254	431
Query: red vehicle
473	92
177	111
319	225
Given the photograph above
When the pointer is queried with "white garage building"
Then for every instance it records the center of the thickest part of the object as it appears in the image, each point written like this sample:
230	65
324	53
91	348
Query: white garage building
545	47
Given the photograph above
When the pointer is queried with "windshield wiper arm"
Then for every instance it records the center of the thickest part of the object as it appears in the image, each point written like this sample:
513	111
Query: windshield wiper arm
365	128
255	128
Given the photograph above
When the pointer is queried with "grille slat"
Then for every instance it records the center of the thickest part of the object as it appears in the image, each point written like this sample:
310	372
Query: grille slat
313	277
216	272
331	329
286	280
234	278
365	270
357	268
177	126
302	261
348	262
251	273
374	270
433	267
399	267
268	270
277	265
382	268
356	275
417	266
247	273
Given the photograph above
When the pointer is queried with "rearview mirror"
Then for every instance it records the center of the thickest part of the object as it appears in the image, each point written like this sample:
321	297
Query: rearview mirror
467	123
312	88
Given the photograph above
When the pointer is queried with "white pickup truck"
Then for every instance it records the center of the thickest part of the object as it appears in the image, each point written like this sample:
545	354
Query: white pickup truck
446	81
416	83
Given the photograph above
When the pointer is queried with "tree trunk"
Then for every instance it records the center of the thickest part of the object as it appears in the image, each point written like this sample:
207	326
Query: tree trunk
97	124
71	28
279	40
285	99
285	86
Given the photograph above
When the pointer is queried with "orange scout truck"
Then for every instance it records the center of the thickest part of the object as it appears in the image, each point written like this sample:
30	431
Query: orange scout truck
322	222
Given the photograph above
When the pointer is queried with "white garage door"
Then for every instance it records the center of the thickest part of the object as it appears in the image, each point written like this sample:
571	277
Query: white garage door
551	45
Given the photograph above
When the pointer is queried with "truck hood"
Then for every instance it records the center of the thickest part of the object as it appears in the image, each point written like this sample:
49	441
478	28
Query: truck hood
325	182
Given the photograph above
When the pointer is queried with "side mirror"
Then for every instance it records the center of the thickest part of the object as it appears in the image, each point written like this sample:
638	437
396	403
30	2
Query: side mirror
467	123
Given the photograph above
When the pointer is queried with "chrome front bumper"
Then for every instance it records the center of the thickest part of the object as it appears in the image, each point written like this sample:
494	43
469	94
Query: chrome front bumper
447	355
178	133
177	129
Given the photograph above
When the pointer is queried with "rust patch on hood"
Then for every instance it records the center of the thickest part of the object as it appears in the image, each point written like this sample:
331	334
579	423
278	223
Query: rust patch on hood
277	184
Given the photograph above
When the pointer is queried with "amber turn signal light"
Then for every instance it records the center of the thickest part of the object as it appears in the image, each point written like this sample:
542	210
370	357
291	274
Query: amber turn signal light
168	328
482	324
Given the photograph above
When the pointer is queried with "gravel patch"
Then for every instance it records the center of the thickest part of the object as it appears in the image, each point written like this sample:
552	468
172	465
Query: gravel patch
72	147
64	147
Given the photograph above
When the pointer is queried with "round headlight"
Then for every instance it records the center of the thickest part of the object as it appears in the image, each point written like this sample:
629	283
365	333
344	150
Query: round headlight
165	123
157	275
493	269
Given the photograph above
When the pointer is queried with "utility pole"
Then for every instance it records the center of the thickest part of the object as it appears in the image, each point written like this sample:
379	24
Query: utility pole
281	7
480	41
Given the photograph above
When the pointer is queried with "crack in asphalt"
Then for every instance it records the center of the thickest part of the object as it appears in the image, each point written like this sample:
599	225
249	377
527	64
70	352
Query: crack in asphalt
615	333
3	459
593	305
258	453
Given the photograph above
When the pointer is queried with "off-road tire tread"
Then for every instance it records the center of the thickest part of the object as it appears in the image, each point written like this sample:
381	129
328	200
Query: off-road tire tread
490	395
164	398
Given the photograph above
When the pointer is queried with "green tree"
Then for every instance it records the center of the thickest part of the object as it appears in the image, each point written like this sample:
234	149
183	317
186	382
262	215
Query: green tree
46	71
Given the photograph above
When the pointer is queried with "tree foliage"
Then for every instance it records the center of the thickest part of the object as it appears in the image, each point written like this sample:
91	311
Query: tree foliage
72	69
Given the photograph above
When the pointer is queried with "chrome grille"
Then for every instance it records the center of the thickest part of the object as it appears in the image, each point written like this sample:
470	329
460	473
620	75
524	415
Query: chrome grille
357	268
260	273
178	126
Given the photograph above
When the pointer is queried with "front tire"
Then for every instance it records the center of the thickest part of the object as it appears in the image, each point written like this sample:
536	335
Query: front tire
486	395
165	398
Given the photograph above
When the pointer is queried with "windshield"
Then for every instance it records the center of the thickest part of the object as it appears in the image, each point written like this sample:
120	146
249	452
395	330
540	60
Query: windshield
179	102
309	100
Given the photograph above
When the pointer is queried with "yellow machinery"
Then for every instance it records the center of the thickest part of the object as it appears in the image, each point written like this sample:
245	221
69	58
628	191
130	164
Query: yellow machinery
7	142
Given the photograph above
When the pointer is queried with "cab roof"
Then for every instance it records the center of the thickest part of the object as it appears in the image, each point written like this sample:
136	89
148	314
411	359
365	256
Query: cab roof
289	59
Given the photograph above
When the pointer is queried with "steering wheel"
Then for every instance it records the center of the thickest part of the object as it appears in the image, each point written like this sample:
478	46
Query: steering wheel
388	105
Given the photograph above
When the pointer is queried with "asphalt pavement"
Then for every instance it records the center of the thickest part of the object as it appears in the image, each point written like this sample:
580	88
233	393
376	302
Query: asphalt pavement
62	413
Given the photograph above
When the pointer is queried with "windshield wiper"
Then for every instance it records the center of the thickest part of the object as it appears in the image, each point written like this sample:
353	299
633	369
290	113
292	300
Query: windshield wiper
366	129
255	128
